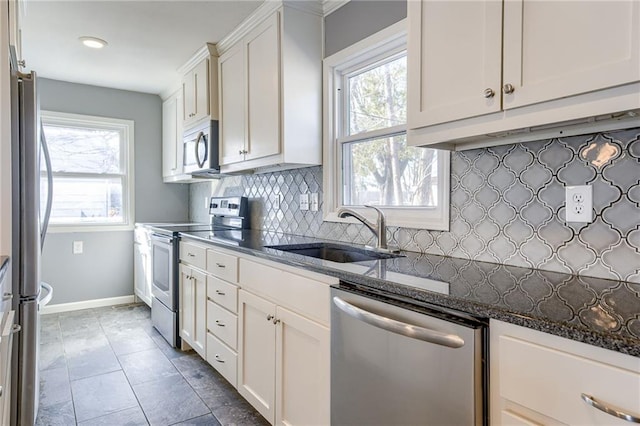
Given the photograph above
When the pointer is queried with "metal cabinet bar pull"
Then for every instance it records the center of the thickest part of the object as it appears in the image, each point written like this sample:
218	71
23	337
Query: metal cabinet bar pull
611	411
191	254
220	265
217	357
270	317
402	328
220	293
219	323
7	296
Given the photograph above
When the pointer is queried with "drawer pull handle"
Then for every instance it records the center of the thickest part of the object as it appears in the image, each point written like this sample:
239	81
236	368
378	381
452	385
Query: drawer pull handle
219	323
191	254
220	265
7	296
270	317
217	357
276	321
613	412
220	293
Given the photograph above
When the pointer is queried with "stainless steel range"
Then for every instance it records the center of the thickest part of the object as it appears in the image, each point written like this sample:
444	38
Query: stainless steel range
228	214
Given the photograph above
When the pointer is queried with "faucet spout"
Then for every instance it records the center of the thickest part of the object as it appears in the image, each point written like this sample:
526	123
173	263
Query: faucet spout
379	229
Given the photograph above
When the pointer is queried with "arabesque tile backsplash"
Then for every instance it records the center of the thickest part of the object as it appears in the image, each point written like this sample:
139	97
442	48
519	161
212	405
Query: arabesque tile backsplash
507	206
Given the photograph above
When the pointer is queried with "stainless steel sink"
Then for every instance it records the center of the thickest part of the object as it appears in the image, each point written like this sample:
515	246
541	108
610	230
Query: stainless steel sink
334	252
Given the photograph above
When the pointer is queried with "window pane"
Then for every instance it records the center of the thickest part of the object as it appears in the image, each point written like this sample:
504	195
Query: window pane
83	150
85	200
387	172
378	97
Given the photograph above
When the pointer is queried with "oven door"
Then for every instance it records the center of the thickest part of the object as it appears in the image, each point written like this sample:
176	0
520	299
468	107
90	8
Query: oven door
162	271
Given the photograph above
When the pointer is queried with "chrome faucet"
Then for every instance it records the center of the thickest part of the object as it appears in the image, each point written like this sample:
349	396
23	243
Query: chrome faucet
379	228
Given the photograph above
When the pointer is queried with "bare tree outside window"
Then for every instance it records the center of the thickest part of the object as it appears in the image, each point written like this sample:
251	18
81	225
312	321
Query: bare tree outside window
383	170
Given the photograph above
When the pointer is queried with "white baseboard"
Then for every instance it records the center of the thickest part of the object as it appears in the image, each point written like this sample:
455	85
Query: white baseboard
86	304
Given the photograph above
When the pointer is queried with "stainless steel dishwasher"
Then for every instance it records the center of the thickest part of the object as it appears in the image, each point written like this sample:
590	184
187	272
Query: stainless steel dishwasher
397	362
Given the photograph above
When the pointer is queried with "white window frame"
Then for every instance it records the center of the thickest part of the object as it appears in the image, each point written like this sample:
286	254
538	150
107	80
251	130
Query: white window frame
126	128
384	43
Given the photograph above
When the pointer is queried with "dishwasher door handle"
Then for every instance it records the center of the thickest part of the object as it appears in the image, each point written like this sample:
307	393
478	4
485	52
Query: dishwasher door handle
398	327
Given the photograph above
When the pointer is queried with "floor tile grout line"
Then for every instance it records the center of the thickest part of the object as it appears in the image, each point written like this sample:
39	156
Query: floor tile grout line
127	377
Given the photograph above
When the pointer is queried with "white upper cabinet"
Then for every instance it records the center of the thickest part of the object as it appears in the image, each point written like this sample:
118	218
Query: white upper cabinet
172	146
454	57
199	88
484	73
232	105
263	84
564	48
270	88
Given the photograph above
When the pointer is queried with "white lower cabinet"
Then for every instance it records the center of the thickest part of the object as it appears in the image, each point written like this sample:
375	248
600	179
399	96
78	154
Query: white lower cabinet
540	379
193	305
283	363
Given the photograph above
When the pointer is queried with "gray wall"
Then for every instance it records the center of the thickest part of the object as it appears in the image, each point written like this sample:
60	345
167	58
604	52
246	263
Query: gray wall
105	269
359	19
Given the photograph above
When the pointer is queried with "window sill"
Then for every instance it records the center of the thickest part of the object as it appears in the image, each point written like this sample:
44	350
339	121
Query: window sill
415	219
67	229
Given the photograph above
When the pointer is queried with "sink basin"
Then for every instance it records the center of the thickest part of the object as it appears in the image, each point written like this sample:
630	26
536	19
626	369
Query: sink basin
334	252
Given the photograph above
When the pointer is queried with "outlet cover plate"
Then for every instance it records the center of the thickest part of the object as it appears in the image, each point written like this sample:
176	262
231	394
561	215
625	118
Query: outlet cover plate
304	201
78	247
579	203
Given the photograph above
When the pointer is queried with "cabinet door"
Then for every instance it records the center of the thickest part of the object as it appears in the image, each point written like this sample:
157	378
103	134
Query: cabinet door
231	74
263	85
554	49
200	312
187	305
454	56
256	353
188	98
169	133
141	273
302	370
201	90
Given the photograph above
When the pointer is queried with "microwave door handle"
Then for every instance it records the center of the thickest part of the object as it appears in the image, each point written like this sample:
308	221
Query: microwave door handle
199	139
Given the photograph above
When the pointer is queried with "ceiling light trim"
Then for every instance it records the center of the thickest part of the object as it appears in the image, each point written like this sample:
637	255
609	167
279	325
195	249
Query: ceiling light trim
93	42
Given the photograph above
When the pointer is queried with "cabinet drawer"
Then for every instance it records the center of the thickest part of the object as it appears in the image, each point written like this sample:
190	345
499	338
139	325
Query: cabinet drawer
193	254
222	359
222	265
223	293
551	382
300	294
223	324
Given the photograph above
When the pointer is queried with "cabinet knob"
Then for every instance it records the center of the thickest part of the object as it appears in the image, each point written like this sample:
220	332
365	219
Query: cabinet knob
244	151
270	317
508	88
240	152
489	93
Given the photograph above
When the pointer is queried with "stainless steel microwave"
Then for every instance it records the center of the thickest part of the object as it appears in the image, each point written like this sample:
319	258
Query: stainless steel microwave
201	149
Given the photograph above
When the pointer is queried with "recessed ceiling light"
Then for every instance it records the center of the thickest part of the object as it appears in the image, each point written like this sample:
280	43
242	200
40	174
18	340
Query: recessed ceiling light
93	42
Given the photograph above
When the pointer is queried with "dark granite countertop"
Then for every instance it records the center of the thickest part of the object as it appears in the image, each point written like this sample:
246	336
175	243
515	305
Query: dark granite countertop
596	311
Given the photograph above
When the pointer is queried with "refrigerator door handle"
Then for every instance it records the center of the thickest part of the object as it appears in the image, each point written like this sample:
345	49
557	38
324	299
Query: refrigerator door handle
45	300
47	211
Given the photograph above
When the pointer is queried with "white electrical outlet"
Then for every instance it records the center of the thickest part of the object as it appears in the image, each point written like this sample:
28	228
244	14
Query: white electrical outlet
579	203
313	204
78	247
276	199
304	201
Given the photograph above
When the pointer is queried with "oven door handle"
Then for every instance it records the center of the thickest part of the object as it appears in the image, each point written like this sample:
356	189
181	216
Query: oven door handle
398	327
161	238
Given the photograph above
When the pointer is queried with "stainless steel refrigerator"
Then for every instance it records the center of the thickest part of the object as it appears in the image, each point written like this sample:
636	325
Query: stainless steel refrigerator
29	223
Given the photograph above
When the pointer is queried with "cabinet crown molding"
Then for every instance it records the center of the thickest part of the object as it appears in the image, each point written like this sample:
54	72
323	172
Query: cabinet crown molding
261	13
209	49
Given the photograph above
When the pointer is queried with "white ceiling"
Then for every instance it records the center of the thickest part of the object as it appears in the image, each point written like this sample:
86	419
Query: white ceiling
148	40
